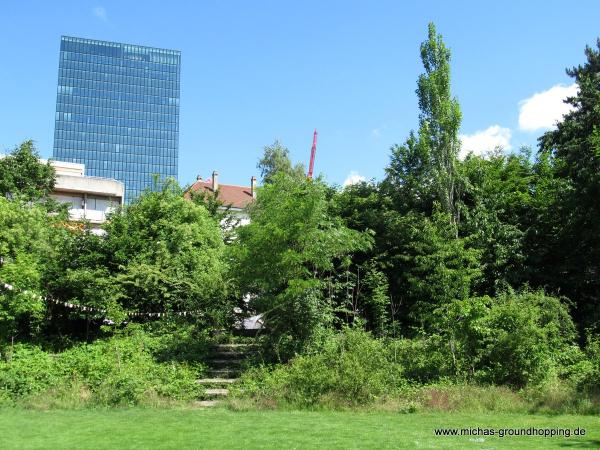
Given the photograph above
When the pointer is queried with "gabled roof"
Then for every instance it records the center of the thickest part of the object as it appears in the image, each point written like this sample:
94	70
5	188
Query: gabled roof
235	196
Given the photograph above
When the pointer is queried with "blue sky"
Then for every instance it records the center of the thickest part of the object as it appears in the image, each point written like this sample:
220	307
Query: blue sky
253	72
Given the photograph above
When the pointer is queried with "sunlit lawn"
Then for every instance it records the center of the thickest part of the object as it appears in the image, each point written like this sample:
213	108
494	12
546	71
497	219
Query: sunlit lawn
219	428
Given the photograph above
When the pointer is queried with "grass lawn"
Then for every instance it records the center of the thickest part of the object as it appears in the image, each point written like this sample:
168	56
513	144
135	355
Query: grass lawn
219	428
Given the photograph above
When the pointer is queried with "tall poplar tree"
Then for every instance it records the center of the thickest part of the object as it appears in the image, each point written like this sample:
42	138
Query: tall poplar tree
424	169
439	121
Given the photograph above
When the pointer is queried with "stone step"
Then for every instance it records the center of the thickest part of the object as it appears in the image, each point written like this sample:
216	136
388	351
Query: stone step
229	355
217	392
217	380
234	347
207	403
218	363
223	373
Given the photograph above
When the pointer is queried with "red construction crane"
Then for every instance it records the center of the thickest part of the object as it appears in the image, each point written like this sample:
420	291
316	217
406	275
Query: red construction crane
313	150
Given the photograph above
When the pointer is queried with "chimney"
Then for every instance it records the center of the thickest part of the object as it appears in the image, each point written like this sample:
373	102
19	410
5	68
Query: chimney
198	178
253	186
215	181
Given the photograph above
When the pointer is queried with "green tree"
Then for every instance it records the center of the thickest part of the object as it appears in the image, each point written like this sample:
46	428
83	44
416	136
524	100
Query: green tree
365	208
23	175
80	273
574	148
427	263
166	254
439	121
218	210
288	256
497	214
439	268
424	169
276	159
26	244
409	180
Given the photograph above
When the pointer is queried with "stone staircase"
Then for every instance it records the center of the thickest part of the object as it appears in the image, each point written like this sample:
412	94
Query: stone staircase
225	365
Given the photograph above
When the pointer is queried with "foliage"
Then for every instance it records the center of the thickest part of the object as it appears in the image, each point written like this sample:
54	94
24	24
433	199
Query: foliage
275	160
415	212
23	176
362	207
497	215
424	359
26	370
514	339
425	167
573	260
166	254
287	256
354	369
439	267
26	244
351	368
588	373
162	253
117	371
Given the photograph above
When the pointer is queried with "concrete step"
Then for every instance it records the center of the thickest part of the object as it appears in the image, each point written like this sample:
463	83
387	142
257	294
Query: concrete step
218	363
223	373
234	347
217	392
207	403
217	380
228	355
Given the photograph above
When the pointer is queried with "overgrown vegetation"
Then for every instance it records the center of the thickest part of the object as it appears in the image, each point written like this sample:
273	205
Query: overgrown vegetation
451	284
353	368
131	369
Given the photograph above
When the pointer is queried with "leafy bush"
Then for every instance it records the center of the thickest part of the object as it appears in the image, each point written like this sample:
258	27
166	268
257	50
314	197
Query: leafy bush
26	370
117	371
513	339
527	333
589	380
423	359
352	368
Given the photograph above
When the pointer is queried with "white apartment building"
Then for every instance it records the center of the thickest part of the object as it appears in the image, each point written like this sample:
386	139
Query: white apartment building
89	198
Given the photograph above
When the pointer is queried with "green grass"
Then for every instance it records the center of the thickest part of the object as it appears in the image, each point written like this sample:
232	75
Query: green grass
219	428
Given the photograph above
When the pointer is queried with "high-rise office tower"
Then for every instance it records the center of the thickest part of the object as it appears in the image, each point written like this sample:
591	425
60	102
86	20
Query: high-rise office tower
117	111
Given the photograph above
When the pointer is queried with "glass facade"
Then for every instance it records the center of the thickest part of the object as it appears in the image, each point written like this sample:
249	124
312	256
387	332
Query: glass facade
117	111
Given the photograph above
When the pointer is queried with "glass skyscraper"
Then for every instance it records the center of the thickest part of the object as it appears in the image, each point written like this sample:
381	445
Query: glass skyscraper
117	111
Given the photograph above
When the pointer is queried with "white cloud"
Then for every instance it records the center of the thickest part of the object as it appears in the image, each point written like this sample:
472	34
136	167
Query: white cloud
486	140
100	13
542	110
377	132
353	178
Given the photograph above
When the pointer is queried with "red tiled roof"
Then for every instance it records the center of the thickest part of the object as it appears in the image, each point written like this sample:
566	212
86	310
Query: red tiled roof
234	196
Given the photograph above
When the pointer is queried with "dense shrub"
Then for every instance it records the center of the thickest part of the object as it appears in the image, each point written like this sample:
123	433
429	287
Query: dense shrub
589	379
117	371
423	359
352	368
27	370
513	339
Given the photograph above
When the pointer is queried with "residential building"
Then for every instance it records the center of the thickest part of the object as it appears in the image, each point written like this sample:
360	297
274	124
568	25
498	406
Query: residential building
236	198
89	198
117	111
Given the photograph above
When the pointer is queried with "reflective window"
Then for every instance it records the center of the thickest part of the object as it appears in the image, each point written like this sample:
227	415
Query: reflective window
117	111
